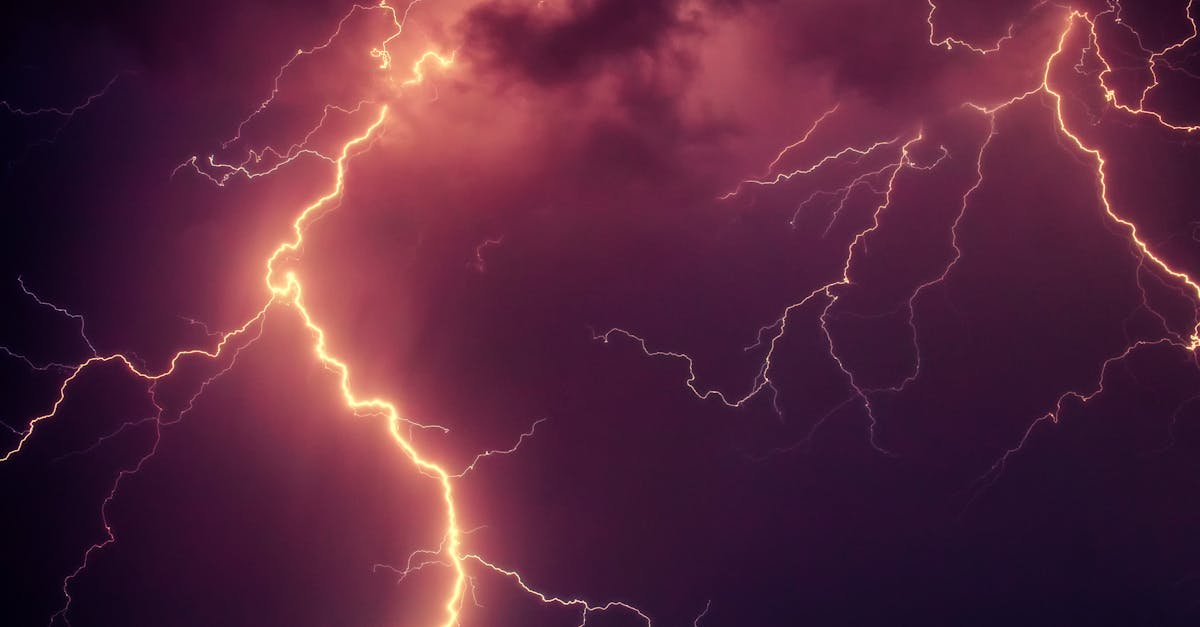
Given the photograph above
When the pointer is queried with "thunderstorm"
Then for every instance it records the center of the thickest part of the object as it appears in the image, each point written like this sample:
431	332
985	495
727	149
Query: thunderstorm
601	312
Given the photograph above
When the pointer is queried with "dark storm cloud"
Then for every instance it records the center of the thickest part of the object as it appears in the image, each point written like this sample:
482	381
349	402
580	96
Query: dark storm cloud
611	78
873	48
560	49
881	51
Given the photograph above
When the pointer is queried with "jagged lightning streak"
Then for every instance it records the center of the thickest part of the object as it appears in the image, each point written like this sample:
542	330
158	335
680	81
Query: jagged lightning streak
803	138
59	111
286	288
252	167
227	341
429	56
950	42
957	255
64	114
380	52
61	310
857	151
500	452
1153	59
478	263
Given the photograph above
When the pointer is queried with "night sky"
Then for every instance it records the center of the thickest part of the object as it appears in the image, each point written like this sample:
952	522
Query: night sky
713	313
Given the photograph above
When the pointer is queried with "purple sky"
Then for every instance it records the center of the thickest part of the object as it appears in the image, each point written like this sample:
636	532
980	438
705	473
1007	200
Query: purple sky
768	312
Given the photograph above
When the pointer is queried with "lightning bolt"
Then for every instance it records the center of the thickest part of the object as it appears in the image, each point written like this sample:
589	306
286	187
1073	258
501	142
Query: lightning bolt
478	263
63	114
59	111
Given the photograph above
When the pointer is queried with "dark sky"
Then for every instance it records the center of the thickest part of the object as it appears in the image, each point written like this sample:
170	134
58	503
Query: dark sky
935	364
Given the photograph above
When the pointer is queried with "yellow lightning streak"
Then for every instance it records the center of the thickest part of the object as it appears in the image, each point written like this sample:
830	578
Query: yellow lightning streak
418	66
289	291
216	352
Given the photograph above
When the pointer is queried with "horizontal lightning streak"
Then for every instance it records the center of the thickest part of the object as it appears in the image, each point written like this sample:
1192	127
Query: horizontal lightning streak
60	111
